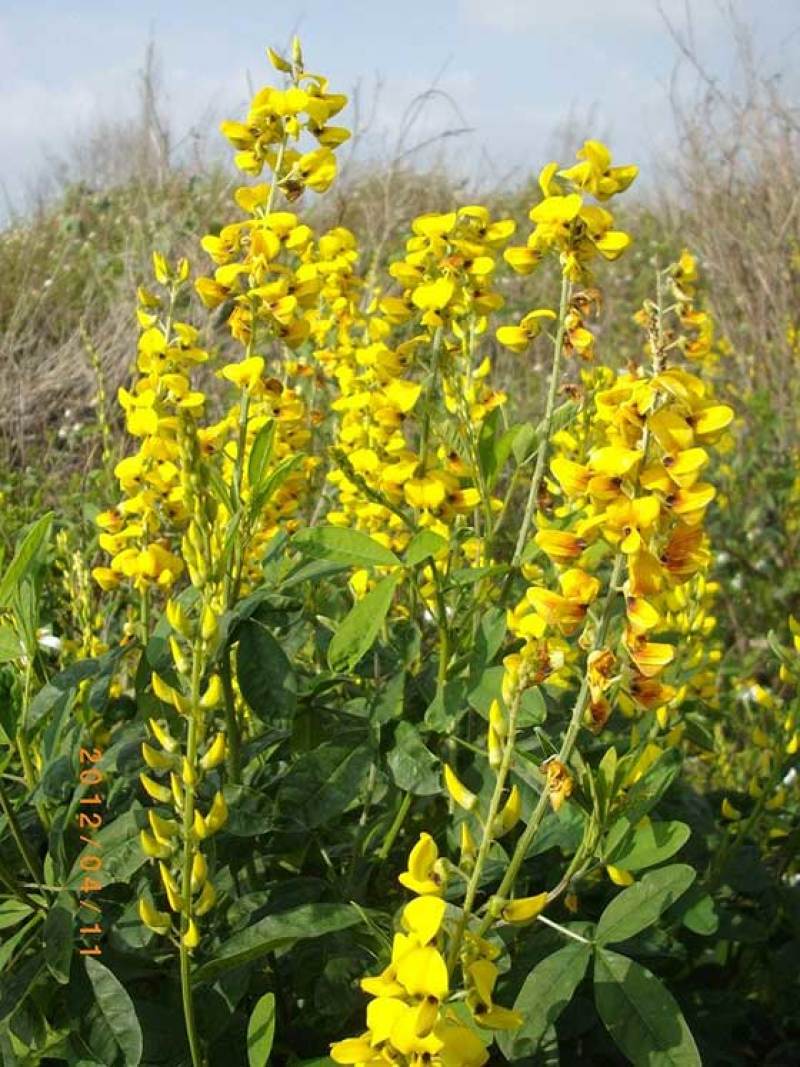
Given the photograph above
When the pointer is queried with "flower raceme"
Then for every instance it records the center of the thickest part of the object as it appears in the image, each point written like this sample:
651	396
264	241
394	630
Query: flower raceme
411	1018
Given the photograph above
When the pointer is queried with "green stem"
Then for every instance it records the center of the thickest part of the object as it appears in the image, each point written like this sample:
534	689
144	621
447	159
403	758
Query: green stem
486	841
23	748
565	752
188	858
19	839
547	423
424	441
394	829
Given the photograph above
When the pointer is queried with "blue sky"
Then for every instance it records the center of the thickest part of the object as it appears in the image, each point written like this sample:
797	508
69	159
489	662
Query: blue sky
514	68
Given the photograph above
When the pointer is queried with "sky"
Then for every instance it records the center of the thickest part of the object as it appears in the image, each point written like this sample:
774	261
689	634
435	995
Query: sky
512	71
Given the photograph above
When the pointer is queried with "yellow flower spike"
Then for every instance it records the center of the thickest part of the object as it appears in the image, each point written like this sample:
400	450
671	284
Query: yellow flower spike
524	909
215	754
458	791
213	695
217	815
163	736
155	790
207	899
178	619
157	921
619	876
421	876
153	848
729	811
423	918
209	626
509	815
191	939
199	871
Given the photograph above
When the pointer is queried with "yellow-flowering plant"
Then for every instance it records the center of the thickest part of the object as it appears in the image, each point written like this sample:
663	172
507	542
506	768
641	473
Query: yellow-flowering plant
387	708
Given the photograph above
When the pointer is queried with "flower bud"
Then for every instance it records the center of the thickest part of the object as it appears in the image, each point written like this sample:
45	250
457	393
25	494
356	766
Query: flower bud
154	789
215	754
153	848
524	909
153	919
207	899
458	791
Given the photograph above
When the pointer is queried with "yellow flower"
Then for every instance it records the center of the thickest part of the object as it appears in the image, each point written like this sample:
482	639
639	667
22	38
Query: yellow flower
246	374
421	877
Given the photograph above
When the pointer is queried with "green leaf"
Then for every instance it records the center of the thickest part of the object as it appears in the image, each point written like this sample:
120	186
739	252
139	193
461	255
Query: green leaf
641	1015
545	993
494	448
344	546
266	677
118	843
13	912
639	906
359	629
322	784
422	546
414	767
117	1010
274	481
646	793
278	932
646	845
260	454
24	558
488	687
698	913
59	937
16	985
261	1031
10	647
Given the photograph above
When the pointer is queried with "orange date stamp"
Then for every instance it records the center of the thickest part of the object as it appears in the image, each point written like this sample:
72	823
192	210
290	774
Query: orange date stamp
90	821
